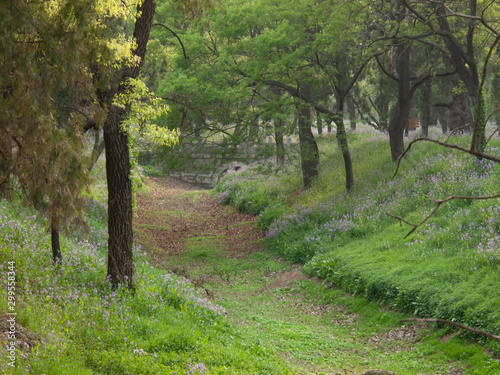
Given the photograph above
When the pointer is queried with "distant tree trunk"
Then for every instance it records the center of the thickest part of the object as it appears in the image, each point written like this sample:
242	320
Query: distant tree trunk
399	120
425	117
5	160
319	122
384	110
329	127
342	141
54	231
278	138
120	261
253	132
443	116
351	108
460	113
309	153
97	150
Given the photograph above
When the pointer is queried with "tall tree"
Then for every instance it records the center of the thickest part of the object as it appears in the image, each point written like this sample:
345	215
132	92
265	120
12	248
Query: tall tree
120	259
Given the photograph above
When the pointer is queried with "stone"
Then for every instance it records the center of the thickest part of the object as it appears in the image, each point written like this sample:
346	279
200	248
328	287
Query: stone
378	372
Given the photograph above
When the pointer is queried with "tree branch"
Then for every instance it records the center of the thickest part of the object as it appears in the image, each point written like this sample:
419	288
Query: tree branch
438	204
174	34
456	147
455	324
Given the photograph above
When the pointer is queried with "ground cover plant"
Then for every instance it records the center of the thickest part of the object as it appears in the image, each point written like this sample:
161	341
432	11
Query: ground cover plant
447	269
310	326
70	321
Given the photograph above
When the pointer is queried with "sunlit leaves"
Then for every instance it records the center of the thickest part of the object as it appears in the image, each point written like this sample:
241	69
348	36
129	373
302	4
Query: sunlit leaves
144	107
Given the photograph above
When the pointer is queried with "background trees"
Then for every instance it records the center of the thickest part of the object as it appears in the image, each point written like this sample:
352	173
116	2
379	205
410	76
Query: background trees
246	70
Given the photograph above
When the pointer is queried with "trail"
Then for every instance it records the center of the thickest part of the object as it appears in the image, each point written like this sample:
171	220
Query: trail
314	329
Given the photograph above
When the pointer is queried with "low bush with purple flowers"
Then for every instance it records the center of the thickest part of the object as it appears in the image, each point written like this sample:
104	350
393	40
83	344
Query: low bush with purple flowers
74	323
449	268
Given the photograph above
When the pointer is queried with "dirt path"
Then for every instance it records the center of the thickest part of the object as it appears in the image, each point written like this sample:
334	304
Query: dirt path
315	330
170	212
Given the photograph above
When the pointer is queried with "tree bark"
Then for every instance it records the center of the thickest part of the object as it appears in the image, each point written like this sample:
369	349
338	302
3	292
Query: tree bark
319	122
460	113
425	117
399	120
5	160
278	139
342	141
309	153
54	231
351	108
120	261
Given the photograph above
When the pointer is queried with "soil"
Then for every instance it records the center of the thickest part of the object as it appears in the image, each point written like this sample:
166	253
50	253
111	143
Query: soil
172	212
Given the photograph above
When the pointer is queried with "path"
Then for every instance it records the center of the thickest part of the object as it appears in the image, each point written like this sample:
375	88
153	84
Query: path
314	329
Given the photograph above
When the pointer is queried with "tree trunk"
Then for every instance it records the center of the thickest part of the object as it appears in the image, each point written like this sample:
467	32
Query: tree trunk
343	144
460	114
384	110
425	117
120	261
399	120
253	132
54	231
352	111
120	241
97	150
309	153
443	117
278	138
5	160
319	122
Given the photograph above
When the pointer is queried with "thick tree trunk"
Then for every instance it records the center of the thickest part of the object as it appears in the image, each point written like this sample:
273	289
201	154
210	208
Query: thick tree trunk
343	144
54	231
309	153
399	120
425	117
460	114
351	108
120	261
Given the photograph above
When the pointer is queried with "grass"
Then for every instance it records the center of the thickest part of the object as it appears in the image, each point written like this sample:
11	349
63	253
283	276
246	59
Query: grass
70	321
447	269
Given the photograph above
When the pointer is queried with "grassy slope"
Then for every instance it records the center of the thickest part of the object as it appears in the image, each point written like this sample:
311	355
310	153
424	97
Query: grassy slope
449	268
69	321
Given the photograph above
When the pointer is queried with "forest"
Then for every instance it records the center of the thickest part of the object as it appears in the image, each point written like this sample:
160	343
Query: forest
250	187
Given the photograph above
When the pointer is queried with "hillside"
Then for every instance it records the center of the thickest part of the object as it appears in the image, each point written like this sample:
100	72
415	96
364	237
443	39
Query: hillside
448	268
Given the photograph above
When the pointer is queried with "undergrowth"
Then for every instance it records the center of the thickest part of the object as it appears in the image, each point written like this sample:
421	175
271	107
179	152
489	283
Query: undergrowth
70	321
449	268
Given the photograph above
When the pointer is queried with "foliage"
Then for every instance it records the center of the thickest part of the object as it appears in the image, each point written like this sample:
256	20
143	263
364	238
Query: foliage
144	108
256	187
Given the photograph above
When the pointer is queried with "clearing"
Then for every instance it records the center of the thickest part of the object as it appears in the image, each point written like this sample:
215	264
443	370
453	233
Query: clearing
314	328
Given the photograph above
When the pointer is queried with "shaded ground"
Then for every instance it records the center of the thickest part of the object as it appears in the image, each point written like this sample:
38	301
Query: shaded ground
171	212
311	327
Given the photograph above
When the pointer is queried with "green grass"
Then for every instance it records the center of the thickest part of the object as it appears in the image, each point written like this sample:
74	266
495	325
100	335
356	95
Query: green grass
449	268
152	226
70	321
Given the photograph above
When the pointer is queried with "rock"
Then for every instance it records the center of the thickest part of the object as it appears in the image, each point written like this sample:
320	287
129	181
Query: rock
378	372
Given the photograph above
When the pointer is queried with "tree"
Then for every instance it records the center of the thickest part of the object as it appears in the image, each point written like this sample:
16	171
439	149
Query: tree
59	59
45	50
